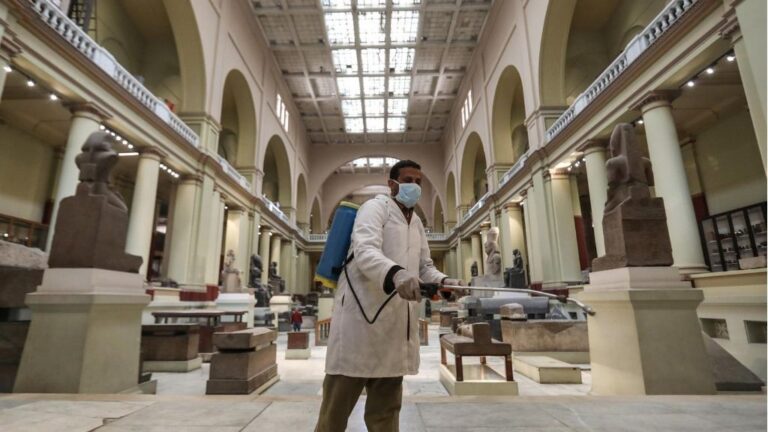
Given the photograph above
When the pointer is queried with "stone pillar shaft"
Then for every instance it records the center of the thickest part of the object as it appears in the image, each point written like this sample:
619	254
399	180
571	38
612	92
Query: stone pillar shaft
183	227
264	239
84	123
566	250
671	184
214	243
274	255
142	215
597	179
477	253
512	233
237	239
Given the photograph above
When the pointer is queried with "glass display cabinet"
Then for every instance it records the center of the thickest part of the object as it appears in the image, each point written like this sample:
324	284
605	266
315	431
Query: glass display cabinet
731	236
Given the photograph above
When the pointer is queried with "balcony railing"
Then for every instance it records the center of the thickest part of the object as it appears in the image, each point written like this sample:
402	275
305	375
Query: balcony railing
514	169
436	236
275	209
68	29
660	25
232	172
478	205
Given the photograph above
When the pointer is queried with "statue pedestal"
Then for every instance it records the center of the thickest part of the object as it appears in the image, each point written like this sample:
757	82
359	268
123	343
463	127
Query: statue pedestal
85	335
238	302
324	307
645	336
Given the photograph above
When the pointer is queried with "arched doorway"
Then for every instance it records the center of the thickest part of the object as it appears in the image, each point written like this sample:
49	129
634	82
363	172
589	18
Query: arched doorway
474	183
510	137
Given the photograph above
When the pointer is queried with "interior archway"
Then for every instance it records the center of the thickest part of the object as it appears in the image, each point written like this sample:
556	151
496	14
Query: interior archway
316	218
302	215
438	218
474	183
508	114
237	140
277	173
450	199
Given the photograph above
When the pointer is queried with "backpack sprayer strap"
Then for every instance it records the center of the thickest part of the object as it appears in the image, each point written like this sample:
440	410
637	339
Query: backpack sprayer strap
354	294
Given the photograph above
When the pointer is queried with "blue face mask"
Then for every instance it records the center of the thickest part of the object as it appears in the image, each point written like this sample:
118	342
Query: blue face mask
408	194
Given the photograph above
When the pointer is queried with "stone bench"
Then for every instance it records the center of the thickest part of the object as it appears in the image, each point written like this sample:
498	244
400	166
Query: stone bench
170	347
246	361
546	370
479	344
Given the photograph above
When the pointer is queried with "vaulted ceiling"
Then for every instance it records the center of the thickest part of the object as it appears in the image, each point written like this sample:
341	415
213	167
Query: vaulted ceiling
373	71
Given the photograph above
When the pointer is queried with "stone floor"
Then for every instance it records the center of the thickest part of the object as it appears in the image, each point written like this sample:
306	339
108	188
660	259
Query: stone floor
292	405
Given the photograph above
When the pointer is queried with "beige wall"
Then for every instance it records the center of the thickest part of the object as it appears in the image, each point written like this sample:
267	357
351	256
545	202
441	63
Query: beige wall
729	162
25	171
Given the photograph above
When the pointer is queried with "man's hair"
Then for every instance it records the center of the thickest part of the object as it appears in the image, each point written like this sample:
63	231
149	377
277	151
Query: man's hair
394	173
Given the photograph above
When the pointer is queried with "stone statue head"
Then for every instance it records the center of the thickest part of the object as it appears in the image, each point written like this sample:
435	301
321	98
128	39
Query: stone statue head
95	163
516	252
229	259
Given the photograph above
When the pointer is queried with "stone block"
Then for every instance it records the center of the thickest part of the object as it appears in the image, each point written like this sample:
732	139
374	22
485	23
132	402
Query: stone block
243	339
170	342
12	338
172	366
479	380
298	354
546	370
258	382
298	340
16	283
242	365
513	311
546	335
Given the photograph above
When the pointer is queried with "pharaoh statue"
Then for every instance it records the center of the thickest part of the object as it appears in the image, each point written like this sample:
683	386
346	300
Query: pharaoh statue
634	223
493	262
473	269
514	277
260	291
230	276
92	225
276	283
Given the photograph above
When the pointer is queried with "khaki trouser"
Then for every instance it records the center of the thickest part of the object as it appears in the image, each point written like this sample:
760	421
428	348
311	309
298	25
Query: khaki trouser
382	407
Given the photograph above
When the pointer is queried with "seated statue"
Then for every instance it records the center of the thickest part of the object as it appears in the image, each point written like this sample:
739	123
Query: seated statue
473	269
276	283
254	280
514	277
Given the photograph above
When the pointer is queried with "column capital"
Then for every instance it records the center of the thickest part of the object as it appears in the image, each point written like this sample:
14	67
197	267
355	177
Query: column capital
731	29
9	48
593	145
150	152
88	109
511	205
191	179
655	98
559	173
485	226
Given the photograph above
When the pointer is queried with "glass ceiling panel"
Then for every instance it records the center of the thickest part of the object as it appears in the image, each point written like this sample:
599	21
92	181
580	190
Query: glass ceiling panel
345	61
373	60
404	27
375	124
374	107
396	124
371	26
397	107
401	59
351	108
354	124
338	4
400	86
349	87
341	28
365	4
405	3
375	162
373	86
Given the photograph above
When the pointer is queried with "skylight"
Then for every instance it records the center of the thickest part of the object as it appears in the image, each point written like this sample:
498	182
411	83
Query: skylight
373	45
401	59
341	28
349	86
404	27
371	25
351	108
374	107
345	61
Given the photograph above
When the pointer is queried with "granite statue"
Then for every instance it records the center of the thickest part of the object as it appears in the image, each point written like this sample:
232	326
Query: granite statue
92	225
634	223
230	276
276	283
514	277
254	277
473	269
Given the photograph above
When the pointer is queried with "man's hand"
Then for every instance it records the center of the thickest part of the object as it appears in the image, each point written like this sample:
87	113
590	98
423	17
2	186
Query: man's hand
454	282
407	285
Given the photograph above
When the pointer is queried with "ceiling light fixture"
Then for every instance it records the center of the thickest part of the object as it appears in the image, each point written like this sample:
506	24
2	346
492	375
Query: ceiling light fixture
730	57
7	68
53	97
641	121
30	83
710	70
690	83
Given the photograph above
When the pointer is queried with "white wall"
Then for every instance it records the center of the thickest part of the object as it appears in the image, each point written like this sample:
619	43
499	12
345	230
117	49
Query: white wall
732	174
25	171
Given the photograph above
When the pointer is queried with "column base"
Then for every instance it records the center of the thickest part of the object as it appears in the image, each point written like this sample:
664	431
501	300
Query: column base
85	334
645	337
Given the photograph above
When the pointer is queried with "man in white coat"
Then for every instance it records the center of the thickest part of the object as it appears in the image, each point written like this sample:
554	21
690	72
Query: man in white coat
374	339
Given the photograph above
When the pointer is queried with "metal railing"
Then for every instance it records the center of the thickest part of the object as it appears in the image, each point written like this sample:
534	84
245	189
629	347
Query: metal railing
69	31
660	25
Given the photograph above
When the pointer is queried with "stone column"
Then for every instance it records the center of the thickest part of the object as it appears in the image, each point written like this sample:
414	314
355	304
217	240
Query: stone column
578	219
142	216
285	267
214	243
274	255
597	178
542	265
237	237
566	245
183	229
512	233
746	32
86	119
534	273
264	240
484	227
477	253
458	261
671	182
466	257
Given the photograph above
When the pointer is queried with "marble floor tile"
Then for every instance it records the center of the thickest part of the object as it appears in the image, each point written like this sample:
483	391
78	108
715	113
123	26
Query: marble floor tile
15	420
93	409
286	416
195	413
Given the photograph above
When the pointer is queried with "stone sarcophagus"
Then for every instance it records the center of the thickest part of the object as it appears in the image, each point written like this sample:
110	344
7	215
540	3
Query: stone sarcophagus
246	362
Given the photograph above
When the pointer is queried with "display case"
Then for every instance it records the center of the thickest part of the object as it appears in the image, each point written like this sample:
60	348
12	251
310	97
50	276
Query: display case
734	235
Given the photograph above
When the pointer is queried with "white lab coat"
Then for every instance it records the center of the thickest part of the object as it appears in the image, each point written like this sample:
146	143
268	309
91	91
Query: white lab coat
389	347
